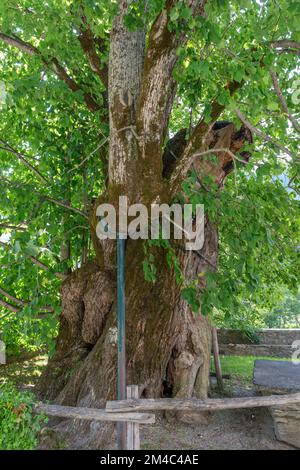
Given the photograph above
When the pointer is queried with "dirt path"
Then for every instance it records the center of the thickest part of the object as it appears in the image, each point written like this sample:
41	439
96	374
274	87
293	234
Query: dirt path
231	429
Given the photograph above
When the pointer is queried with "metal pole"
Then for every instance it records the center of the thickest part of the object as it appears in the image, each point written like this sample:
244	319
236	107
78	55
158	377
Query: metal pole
121	395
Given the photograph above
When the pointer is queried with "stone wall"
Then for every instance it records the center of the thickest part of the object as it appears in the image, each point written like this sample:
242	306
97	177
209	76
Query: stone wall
267	342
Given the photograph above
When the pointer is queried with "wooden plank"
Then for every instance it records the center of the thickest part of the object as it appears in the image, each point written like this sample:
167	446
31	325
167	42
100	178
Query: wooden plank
193	404
93	414
129	426
136	426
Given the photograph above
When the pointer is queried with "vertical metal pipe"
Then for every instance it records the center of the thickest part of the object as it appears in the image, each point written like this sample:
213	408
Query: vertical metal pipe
121	385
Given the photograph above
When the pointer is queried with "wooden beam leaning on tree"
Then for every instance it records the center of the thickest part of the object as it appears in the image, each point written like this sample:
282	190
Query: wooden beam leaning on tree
90	44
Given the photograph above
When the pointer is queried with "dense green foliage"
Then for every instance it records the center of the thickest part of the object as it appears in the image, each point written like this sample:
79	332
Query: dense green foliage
46	198
286	314
19	427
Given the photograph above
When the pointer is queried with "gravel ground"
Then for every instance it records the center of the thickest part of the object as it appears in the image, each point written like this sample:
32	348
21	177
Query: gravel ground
230	429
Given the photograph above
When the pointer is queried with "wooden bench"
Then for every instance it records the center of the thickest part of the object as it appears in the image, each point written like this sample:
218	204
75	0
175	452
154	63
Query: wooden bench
281	377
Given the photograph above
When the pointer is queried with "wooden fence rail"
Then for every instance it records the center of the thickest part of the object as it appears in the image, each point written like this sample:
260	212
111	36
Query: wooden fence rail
132	420
93	414
133	410
193	404
133	429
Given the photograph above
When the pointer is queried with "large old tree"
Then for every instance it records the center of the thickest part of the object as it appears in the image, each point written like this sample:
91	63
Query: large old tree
159	101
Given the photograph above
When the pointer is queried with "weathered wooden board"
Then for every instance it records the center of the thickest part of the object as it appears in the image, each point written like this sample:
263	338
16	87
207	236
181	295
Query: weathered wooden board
193	404
133	429
276	375
216	354
94	414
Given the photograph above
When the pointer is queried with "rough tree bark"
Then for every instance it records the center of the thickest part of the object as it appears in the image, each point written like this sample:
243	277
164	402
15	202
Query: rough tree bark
168	347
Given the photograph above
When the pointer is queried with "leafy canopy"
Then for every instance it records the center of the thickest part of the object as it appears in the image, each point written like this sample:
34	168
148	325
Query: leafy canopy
54	135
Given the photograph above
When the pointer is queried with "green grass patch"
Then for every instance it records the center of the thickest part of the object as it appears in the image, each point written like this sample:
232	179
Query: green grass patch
242	366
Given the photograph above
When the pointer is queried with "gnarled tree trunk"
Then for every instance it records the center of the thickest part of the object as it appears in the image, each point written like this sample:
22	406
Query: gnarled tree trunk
168	347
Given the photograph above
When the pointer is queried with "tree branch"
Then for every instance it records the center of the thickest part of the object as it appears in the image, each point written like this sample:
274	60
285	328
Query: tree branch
8	226
261	134
52	64
197	141
286	45
37	262
65	205
13	309
57	202
223	150
283	101
44	267
6	147
88	44
21	303
10	307
292	179
12	298
158	87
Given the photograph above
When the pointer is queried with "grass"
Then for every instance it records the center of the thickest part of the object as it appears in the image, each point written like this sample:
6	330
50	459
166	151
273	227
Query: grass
242	366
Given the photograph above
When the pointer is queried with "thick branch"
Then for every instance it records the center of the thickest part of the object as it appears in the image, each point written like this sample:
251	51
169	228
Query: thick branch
88	44
20	44
158	87
54	65
203	127
283	101
198	140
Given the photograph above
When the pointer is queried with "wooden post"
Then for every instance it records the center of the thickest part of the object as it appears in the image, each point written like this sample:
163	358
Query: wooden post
129	427
136	427
133	429
215	346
